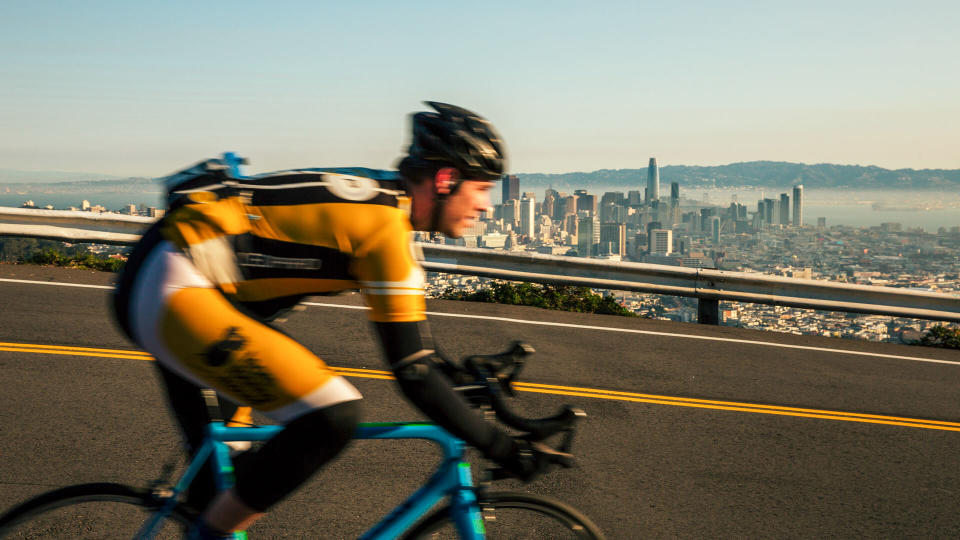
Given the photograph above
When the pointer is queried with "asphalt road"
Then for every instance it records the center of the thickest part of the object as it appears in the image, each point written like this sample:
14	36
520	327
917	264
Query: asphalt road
693	431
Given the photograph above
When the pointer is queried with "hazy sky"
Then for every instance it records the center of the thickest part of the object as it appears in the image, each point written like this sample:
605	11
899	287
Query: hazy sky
141	88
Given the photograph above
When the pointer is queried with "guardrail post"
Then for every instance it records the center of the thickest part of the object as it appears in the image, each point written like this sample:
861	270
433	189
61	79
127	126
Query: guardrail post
708	311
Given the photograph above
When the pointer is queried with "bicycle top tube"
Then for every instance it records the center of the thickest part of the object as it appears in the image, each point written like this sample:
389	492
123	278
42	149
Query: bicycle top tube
452	446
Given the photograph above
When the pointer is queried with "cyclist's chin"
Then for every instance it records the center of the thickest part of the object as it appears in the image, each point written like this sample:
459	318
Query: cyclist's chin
456	230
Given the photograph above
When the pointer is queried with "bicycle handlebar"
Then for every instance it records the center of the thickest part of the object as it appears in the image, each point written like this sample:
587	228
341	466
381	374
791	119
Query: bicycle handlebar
494	375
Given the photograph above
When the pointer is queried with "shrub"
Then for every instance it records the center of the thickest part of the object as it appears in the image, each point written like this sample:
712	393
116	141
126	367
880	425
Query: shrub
85	260
558	297
947	337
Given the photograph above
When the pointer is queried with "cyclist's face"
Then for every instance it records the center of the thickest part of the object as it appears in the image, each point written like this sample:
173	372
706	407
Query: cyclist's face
464	207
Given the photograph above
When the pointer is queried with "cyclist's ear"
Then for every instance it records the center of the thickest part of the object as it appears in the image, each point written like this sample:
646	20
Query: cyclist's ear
444	179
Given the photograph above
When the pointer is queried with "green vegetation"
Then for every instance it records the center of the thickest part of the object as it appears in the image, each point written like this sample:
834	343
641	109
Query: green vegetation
88	260
947	337
559	297
51	252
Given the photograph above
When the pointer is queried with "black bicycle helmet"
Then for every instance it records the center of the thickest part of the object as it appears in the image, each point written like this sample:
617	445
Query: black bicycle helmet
459	138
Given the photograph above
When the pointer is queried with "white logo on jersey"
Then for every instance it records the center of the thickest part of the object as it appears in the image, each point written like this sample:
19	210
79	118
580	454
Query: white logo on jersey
351	188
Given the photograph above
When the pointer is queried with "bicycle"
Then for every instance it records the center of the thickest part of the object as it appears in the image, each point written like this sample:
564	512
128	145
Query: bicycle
473	512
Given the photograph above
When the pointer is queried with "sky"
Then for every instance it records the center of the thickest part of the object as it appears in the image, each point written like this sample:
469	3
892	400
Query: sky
133	88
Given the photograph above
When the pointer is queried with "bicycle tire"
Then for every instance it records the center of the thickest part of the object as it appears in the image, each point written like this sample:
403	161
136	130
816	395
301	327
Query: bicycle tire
100	510
539	517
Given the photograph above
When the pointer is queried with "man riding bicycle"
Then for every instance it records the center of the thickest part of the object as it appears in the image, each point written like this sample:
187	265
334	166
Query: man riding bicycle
200	287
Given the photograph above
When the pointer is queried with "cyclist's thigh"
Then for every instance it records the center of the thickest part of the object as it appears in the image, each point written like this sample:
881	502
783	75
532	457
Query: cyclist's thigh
196	332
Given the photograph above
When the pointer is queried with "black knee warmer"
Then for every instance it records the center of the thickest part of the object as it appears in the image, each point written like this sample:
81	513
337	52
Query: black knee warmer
285	462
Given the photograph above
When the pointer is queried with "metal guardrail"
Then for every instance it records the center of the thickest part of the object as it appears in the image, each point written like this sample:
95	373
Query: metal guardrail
707	285
71	226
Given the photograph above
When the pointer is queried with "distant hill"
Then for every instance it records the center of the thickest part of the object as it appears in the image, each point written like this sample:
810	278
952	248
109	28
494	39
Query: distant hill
12	176
754	173
123	185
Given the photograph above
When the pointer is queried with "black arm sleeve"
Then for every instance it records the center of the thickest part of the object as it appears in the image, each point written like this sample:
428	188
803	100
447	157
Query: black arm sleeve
424	384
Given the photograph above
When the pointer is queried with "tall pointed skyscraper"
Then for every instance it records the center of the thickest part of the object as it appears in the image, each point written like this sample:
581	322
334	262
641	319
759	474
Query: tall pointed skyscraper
653	181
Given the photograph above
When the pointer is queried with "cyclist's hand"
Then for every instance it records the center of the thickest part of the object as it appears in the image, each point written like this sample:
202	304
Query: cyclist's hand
531	459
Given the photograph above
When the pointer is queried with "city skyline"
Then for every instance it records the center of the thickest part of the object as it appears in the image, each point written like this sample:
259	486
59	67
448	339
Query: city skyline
129	89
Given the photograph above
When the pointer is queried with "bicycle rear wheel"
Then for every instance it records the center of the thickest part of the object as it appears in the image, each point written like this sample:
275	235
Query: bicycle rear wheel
509	515
90	511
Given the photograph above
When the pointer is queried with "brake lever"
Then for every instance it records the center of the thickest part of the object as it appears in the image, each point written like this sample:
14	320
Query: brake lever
518	355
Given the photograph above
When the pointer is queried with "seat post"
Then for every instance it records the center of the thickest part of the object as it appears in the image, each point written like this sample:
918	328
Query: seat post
213	404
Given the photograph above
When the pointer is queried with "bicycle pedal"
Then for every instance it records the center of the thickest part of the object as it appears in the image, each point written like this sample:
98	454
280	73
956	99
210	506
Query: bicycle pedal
159	492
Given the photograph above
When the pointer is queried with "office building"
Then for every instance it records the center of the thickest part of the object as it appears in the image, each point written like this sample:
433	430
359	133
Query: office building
661	241
527	215
588	235
771	211
566	206
784	209
613	239
511	188
586	202
706	217
653	181
511	214
549	203
798	205
570	224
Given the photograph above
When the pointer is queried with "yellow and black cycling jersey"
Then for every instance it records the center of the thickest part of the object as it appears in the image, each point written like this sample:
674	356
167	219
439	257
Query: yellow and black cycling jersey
269	240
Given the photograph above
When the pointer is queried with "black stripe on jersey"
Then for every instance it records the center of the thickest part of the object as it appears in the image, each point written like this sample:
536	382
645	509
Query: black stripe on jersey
264	258
305	193
310	195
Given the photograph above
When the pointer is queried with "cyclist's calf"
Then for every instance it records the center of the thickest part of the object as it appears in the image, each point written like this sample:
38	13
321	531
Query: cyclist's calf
266	476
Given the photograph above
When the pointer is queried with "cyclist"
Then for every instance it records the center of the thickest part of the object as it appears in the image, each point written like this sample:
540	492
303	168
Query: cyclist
202	285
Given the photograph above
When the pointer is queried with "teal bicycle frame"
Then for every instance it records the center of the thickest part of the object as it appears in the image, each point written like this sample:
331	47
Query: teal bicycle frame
451	478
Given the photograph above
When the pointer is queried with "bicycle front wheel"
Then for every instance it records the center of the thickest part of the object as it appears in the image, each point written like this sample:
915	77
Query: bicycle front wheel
90	511
509	515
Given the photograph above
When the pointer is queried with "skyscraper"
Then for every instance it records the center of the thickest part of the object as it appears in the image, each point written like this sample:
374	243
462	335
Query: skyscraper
527	215
588	235
784	209
771	211
567	206
798	205
613	239
511	187
653	180
674	203
511	213
586	201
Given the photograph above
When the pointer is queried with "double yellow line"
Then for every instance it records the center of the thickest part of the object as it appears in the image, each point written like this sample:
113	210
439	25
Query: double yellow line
562	391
